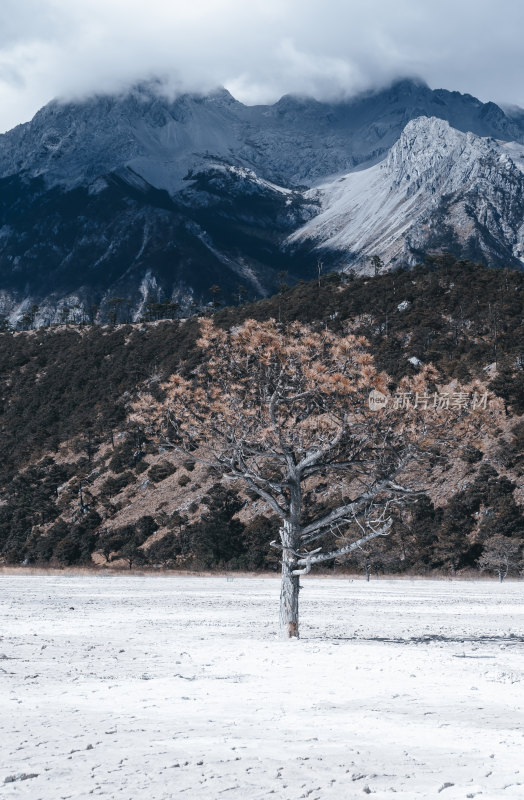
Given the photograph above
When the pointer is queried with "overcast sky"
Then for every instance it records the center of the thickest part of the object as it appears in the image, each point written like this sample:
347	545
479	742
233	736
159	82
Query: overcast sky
258	49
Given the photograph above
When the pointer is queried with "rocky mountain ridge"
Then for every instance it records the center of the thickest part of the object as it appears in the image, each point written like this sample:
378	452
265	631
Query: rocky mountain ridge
294	142
436	186
138	195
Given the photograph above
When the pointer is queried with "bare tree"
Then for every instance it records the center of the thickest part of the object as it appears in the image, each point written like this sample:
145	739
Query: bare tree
501	555
363	558
282	410
370	557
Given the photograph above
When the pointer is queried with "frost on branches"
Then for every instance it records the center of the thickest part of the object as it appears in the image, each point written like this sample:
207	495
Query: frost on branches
281	409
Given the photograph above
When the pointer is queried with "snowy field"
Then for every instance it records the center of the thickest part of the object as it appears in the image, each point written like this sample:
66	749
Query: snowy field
168	687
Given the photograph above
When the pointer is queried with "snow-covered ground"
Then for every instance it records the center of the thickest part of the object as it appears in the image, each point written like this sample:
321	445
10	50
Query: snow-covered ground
167	687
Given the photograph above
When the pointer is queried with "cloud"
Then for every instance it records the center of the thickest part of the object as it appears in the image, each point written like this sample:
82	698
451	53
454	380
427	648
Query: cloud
259	50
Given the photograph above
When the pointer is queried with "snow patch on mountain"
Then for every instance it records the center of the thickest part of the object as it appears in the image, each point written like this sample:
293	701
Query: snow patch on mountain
148	288
516	152
433	176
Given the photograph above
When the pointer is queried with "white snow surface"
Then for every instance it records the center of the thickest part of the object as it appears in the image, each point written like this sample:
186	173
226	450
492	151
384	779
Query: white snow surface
178	687
390	207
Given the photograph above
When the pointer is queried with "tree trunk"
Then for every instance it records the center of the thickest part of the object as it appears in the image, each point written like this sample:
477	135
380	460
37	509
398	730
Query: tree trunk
290	586
289	600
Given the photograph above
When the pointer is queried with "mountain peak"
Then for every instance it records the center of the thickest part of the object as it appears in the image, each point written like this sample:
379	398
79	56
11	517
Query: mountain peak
437	185
426	144
407	85
420	130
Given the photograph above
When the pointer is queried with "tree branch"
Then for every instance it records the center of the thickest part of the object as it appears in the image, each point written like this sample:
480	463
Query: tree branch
313	457
277	508
308	561
342	511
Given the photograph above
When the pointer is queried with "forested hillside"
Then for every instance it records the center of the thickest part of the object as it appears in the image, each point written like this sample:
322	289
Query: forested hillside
80	483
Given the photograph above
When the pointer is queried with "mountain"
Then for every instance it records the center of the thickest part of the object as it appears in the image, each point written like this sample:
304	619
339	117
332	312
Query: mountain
294	142
139	195
437	187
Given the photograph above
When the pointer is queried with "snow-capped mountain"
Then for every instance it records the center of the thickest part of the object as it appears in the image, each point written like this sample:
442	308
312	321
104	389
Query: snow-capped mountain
138	194
437	187
296	141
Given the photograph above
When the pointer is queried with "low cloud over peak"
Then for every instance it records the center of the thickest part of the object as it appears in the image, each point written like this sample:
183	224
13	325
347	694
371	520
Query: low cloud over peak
259	51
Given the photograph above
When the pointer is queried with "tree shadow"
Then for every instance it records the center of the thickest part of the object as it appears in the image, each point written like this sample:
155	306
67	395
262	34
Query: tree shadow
427	639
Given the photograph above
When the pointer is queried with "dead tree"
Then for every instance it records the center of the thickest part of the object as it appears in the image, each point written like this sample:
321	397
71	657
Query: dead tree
501	555
281	410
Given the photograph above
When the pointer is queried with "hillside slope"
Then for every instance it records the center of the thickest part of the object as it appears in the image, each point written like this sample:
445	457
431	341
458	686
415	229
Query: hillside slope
79	482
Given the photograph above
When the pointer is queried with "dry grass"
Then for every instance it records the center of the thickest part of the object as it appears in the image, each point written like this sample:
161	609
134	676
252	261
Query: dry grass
339	574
